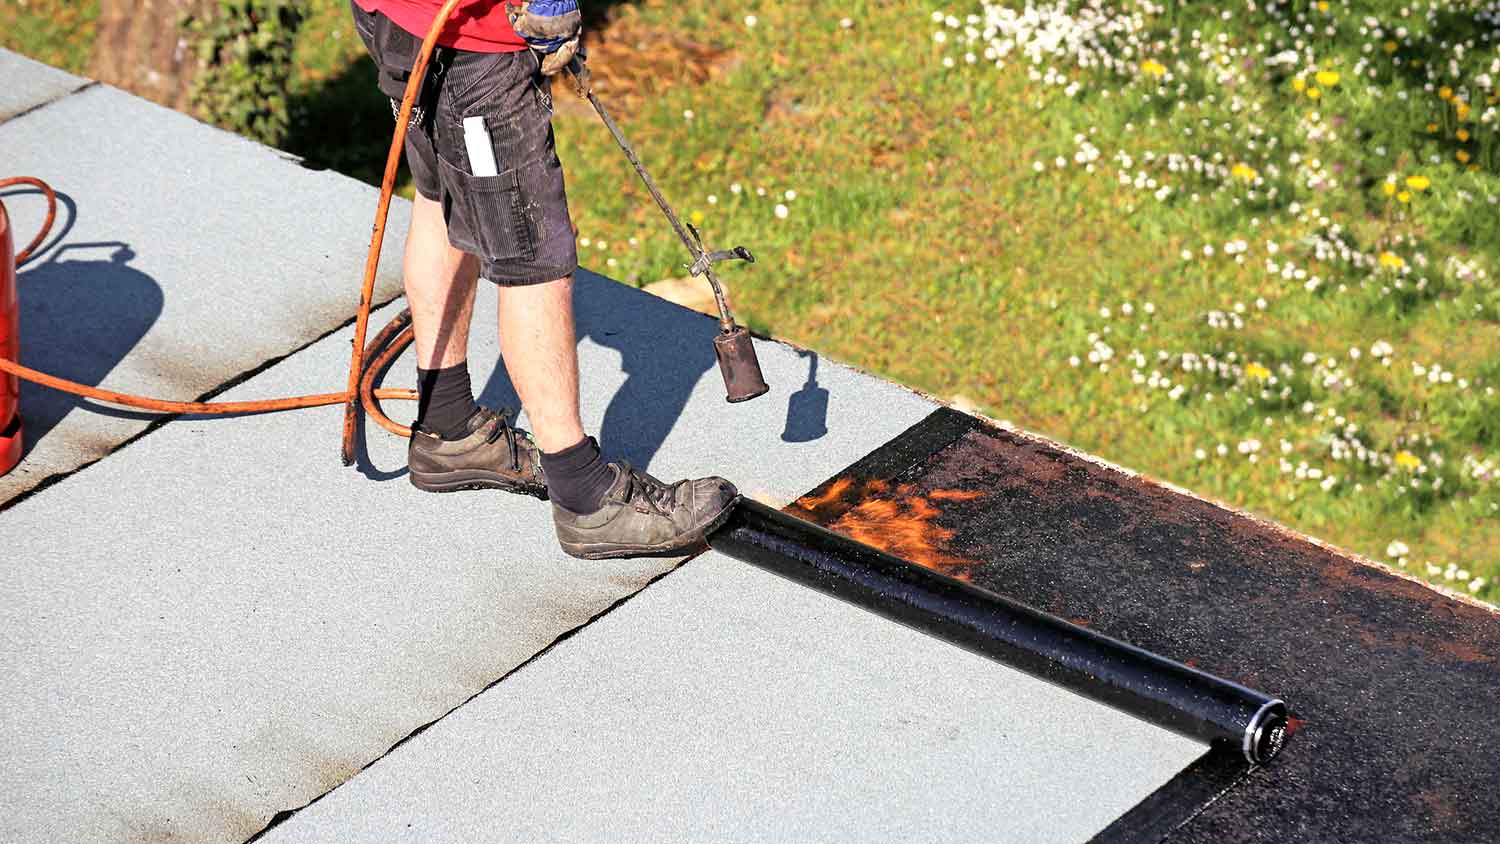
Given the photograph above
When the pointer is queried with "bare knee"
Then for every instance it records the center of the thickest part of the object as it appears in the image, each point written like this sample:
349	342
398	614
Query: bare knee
545	293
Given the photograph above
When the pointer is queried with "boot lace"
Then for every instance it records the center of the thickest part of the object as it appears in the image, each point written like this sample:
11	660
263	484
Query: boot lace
500	427
659	496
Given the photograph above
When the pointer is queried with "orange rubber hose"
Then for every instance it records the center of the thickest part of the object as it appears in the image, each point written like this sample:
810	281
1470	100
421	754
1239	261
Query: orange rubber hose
196	407
47	191
377	235
382	351
377	366
158	405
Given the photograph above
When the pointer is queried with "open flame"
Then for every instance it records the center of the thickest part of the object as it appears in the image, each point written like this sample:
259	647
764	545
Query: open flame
897	519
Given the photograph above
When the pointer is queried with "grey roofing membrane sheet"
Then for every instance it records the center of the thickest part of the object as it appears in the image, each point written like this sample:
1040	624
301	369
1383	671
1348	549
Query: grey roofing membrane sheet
26	84
724	704
183	256
219	621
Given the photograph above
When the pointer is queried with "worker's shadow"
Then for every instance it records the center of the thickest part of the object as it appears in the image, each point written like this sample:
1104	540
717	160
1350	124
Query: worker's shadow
82	308
664	352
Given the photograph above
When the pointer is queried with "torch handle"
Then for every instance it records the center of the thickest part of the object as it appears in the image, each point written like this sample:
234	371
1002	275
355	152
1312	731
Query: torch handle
581	78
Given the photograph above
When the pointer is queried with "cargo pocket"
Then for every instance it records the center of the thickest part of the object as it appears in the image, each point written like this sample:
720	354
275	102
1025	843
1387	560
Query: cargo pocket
495	212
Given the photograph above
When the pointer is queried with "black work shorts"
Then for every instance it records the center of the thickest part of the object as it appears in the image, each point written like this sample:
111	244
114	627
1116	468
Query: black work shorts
516	222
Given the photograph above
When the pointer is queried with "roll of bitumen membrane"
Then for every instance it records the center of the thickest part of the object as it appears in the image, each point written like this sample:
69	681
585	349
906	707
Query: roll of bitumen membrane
1159	690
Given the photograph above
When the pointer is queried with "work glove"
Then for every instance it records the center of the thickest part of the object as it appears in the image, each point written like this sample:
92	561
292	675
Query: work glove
551	27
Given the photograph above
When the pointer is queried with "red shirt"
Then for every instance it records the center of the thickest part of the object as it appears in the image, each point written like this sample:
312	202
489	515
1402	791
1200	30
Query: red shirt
479	26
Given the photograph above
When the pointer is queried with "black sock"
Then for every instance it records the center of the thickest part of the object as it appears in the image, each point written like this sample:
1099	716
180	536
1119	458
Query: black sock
445	401
577	477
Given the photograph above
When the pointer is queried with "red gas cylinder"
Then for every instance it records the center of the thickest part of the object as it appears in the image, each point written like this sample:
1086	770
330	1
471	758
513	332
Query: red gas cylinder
10	341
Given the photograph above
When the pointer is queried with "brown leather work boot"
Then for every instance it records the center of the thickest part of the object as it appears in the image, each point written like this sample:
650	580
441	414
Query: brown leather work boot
643	517
493	456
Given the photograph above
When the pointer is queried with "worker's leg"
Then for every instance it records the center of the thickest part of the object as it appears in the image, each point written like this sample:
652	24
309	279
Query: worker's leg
600	509
540	346
440	285
495	167
455	444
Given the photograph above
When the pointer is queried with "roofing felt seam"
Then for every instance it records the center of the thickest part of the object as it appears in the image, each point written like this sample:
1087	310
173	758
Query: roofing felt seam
41	105
285	815
33	85
161	419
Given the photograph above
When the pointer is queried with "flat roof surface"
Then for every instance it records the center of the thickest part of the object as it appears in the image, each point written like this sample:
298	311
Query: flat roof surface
726	704
183	257
211	622
38	84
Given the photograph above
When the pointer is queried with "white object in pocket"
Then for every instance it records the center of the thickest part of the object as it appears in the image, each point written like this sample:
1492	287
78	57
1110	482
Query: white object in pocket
481	149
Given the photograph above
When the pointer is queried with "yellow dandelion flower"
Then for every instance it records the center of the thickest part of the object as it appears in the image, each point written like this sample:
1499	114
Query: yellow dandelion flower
1431	128
1463	110
1313	93
1299	84
1473	168
1462	135
1407	460
1392	260
1445	93
1243	171
1327	78
1323	6
1257	371
1153	67
1418	182
1404	196
696	218
1462	156
1389	188
1390	46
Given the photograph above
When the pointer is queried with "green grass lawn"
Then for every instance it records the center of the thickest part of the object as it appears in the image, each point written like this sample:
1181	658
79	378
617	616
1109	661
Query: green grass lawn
1247	248
58	32
1158	245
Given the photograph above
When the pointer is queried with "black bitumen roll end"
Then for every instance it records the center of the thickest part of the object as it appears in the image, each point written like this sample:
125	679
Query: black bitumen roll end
1267	733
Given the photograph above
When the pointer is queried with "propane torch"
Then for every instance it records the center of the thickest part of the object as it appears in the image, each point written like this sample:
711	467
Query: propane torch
734	347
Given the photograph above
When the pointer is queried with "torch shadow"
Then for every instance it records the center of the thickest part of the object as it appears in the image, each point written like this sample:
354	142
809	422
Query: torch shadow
664	351
807	409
